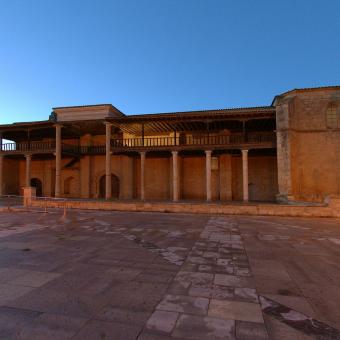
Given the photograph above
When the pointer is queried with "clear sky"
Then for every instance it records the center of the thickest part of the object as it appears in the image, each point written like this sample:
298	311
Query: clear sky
147	56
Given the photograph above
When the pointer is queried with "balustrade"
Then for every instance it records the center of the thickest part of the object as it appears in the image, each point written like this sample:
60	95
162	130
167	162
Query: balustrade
146	142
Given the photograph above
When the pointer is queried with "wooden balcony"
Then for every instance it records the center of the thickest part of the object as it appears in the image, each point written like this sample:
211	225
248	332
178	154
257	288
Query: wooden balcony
28	147
251	140
214	142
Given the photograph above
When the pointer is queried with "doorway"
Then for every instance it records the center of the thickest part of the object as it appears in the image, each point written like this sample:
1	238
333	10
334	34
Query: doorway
37	184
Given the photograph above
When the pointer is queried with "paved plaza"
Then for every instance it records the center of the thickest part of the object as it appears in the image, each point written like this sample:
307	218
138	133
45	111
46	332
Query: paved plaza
149	276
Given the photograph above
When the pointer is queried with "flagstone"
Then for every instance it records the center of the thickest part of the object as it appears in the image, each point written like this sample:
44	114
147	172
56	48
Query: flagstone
234	310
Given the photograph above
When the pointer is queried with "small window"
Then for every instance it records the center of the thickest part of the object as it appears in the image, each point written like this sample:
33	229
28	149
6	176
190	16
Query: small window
333	117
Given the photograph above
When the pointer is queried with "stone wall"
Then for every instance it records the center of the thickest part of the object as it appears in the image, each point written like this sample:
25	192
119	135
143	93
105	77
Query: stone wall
308	151
157	177
331	210
82	178
263	183
121	166
10	176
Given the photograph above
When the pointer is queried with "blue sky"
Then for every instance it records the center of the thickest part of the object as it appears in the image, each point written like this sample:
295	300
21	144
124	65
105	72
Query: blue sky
147	56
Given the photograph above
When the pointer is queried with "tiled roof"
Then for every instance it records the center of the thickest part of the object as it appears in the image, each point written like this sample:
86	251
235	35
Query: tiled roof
211	111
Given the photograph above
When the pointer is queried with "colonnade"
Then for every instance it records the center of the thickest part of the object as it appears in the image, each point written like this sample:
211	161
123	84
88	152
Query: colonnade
108	170
175	175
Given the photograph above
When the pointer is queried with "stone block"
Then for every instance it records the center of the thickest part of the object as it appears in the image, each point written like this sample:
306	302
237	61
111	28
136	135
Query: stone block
162	321
184	304
203	328
234	310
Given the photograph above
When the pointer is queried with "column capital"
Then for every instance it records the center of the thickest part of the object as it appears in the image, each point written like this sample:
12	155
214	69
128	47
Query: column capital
142	153
107	123
174	152
57	125
208	152
28	155
244	150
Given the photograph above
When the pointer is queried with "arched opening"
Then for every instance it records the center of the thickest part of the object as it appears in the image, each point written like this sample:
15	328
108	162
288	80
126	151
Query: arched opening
114	186
37	184
70	186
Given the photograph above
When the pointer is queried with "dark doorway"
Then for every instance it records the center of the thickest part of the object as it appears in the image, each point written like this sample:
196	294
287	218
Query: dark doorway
36	183
114	186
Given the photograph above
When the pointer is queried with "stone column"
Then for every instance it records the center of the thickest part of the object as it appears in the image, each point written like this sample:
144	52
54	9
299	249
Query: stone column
1	171
28	171
142	176
57	160
175	182
245	175
208	173
108	193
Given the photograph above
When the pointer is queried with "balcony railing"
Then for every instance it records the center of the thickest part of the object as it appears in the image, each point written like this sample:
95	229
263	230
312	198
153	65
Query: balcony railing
201	140
265	138
28	146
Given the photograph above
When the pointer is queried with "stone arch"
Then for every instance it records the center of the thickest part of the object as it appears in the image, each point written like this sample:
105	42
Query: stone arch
115	186
37	184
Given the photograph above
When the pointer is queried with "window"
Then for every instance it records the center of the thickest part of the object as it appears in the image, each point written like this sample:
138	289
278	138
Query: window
333	117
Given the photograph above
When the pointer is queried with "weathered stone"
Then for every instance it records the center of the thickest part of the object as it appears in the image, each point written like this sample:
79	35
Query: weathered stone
250	331
232	281
162	321
184	304
234	310
202	328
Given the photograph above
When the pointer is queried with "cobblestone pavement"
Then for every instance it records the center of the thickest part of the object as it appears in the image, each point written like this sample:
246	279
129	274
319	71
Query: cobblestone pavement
111	275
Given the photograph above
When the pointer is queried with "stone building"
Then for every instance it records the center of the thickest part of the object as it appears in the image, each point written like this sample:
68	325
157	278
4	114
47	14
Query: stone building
289	150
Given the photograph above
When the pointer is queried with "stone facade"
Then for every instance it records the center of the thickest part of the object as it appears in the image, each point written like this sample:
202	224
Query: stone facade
302	165
308	150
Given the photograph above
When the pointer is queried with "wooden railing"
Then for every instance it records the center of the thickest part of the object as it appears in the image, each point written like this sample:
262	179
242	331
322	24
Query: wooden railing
28	146
213	140
137	143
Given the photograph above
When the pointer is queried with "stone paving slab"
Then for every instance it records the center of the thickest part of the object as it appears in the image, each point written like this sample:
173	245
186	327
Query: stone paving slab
166	276
162	321
99	330
52	326
234	310
184	304
34	279
201	328
10	292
